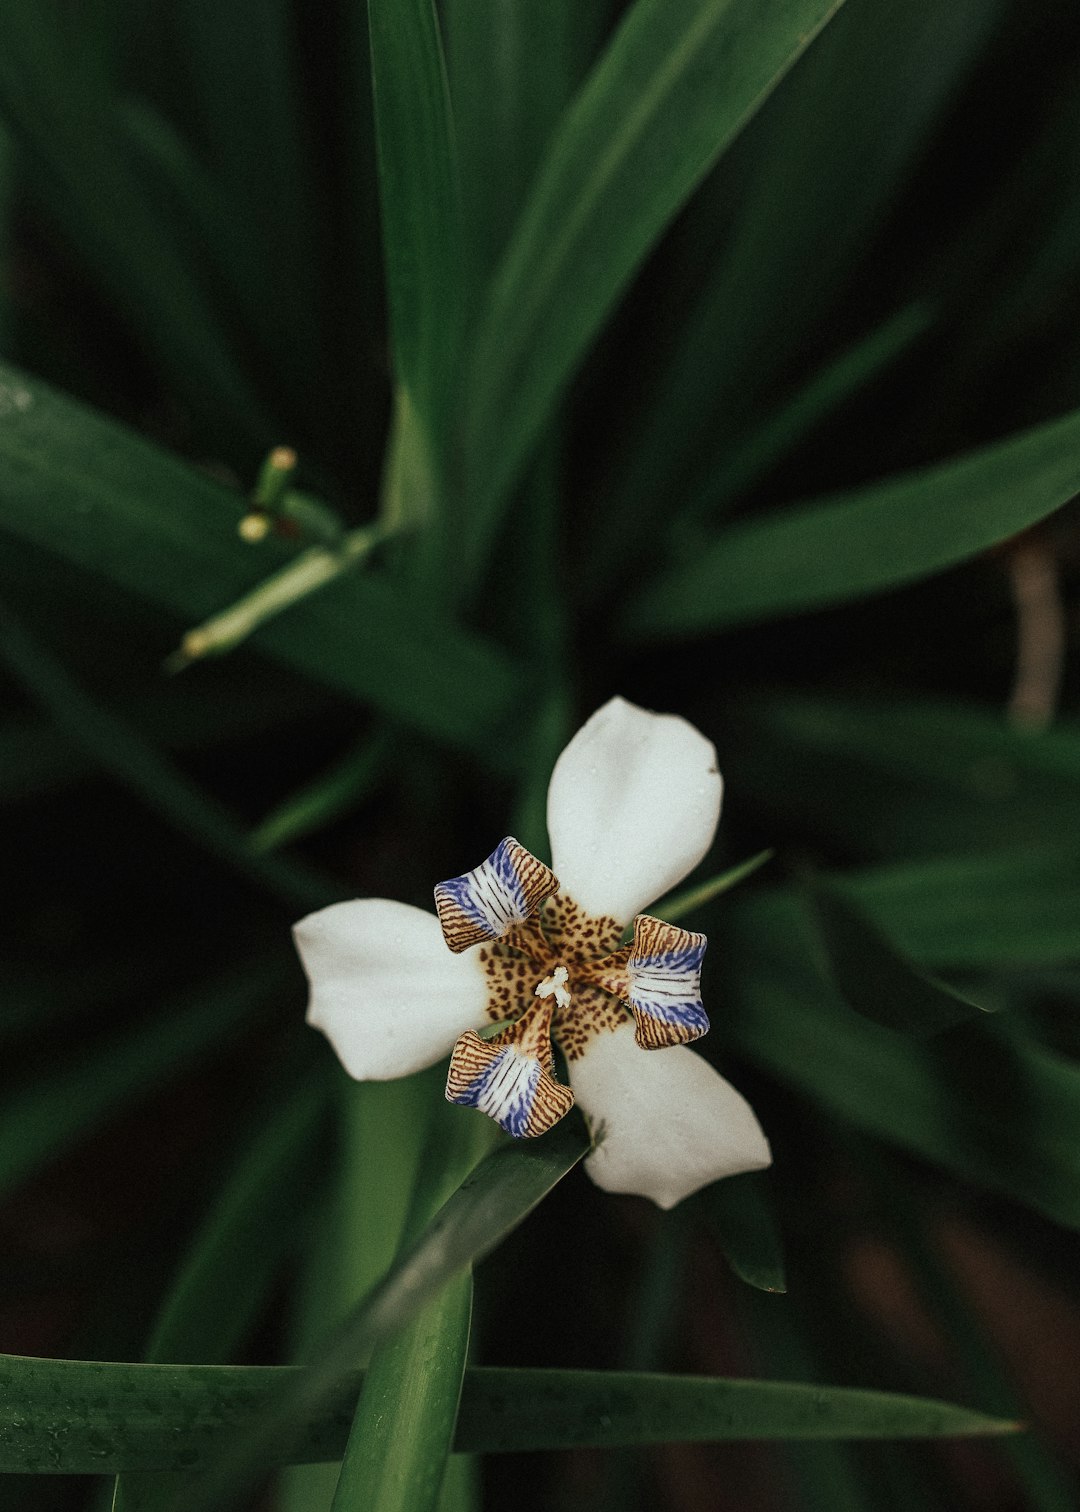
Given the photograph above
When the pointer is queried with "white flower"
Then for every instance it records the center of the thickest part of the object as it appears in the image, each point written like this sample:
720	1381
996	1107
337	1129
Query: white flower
633	806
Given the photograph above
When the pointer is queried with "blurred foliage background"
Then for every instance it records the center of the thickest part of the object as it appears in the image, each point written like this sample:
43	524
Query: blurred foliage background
721	355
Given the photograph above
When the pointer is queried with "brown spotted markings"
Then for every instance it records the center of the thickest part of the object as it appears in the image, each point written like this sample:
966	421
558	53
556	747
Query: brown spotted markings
560	934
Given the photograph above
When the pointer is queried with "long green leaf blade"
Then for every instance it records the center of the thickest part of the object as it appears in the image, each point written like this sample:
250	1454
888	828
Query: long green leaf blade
397	1452
99	496
81	174
874	977
38	1121
822	165
512	69
236	1254
941	1099
403	1428
120	751
92	1417
673	88
419	193
492	1201
853	544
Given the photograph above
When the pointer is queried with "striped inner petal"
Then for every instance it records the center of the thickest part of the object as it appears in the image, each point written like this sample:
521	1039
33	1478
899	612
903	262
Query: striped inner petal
664	984
497	895
510	1086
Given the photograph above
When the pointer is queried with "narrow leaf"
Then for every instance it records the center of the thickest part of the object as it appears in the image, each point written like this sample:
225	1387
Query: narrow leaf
499	1194
82	176
921	777
38	1121
678	905
739	1212
339	789
821	395
99	496
248	1230
119	750
941	1099
675	85
419	194
403	1428
822	167
397	1452
857	543
236	1254
875	978
512	70
91	1417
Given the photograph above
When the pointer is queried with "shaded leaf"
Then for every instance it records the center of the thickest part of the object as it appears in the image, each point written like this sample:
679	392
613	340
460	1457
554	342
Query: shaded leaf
674	86
419	196
739	1212
222	1285
942	1099
492	1201
512	69
874	977
919	777
99	496
868	539
120	751
38	1121
72	1416
677	905
83	178
400	1441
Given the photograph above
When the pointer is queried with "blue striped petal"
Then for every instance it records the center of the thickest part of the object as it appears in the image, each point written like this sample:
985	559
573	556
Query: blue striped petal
664	984
501	892
508	1085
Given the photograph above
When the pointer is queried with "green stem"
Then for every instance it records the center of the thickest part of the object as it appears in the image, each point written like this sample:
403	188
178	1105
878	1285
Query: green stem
311	570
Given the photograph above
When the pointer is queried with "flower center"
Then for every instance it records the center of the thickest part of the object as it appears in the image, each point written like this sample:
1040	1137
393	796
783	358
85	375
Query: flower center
555	986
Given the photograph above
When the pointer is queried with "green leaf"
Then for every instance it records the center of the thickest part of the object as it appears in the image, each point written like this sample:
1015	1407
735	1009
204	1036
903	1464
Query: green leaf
875	978
242	69
36	759
403	1427
222	1285
941	1099
1013	907
92	1417
99	496
822	165
341	788
249	1229
401	1436
419	196
826	391
381	1128
739	1212
80	173
678	905
119	750
492	1201
849	545
38	1121
675	85
920	777
1009	908
512	70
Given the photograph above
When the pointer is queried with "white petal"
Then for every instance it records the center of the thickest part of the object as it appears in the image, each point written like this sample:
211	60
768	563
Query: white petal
385	990
665	1122
632	807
